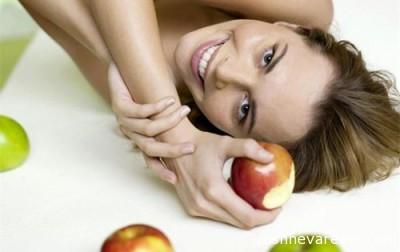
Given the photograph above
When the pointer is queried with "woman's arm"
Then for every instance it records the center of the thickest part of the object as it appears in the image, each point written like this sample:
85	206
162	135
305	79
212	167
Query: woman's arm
127	32
201	186
135	46
314	13
73	17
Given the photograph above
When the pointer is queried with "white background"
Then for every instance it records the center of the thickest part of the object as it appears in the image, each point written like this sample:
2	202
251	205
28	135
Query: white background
82	180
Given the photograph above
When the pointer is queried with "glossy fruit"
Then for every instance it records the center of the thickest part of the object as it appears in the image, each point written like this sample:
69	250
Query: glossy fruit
306	243
137	238
14	144
264	186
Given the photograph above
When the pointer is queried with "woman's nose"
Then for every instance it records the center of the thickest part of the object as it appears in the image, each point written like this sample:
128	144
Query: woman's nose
232	73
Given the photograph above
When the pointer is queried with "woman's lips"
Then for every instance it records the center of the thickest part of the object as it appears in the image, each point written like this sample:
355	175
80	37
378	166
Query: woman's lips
197	56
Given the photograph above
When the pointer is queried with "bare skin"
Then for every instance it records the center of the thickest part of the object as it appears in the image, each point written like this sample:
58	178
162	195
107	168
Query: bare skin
94	41
284	113
239	75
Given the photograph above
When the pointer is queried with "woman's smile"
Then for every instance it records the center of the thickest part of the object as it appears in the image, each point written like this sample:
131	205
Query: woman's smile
223	63
202	58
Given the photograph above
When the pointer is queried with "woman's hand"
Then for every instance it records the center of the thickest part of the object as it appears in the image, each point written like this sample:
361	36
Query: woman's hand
204	191
199	181
134	121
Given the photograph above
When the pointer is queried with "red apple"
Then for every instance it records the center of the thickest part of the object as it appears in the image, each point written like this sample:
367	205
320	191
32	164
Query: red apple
137	238
264	186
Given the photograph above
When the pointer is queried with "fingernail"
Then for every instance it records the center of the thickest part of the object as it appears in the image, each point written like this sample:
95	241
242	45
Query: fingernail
265	154
184	111
170	102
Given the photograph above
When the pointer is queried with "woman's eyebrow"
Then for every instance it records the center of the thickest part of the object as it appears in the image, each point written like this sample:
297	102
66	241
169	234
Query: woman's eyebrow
271	66
253	111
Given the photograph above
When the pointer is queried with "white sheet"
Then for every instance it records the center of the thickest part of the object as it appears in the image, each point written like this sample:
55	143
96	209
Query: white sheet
82	180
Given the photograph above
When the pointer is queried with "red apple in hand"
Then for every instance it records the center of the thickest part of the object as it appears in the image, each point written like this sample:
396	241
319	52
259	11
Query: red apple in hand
137	238
264	186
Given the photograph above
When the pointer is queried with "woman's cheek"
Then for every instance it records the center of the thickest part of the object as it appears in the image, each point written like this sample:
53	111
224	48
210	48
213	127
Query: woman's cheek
218	114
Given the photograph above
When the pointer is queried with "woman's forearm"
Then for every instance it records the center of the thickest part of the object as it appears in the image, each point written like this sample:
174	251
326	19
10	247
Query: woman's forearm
130	30
131	33
125	29
73	17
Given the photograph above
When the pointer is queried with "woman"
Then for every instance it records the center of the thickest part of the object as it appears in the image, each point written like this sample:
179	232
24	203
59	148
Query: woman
264	70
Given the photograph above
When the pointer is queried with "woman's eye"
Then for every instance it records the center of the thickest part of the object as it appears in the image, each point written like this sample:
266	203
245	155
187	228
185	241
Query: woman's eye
244	109
267	57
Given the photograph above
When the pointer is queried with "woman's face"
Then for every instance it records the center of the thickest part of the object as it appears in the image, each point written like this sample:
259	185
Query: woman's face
253	79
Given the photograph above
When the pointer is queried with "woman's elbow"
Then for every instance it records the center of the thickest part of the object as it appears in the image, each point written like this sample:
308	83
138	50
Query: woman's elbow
322	15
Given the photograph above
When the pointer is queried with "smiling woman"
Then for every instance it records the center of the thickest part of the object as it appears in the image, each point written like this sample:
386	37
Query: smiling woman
339	122
266	70
263	72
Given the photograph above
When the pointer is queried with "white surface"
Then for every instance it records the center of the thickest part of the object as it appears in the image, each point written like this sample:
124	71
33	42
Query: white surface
82	181
15	21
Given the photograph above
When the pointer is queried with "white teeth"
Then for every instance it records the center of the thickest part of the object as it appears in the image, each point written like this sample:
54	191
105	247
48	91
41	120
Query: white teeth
203	63
205	59
206	56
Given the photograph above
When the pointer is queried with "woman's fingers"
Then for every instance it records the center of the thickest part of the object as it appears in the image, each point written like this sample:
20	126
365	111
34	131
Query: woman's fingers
244	212
196	203
124	105
241	210
212	203
238	147
153	148
159	169
157	126
134	110
202	207
229	200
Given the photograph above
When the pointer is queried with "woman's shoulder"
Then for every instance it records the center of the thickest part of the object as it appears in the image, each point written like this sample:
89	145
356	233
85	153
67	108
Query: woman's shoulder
313	13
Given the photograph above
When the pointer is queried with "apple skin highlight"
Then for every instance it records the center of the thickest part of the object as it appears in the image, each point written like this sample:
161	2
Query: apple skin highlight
264	186
137	238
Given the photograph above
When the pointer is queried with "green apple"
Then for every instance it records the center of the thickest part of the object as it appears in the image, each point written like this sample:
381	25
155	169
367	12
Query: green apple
14	144
306	243
286	247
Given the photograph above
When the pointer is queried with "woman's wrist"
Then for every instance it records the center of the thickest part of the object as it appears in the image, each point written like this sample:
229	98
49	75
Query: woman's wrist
185	131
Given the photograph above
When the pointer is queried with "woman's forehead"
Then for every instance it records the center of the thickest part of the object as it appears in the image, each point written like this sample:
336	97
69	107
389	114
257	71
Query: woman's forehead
286	97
